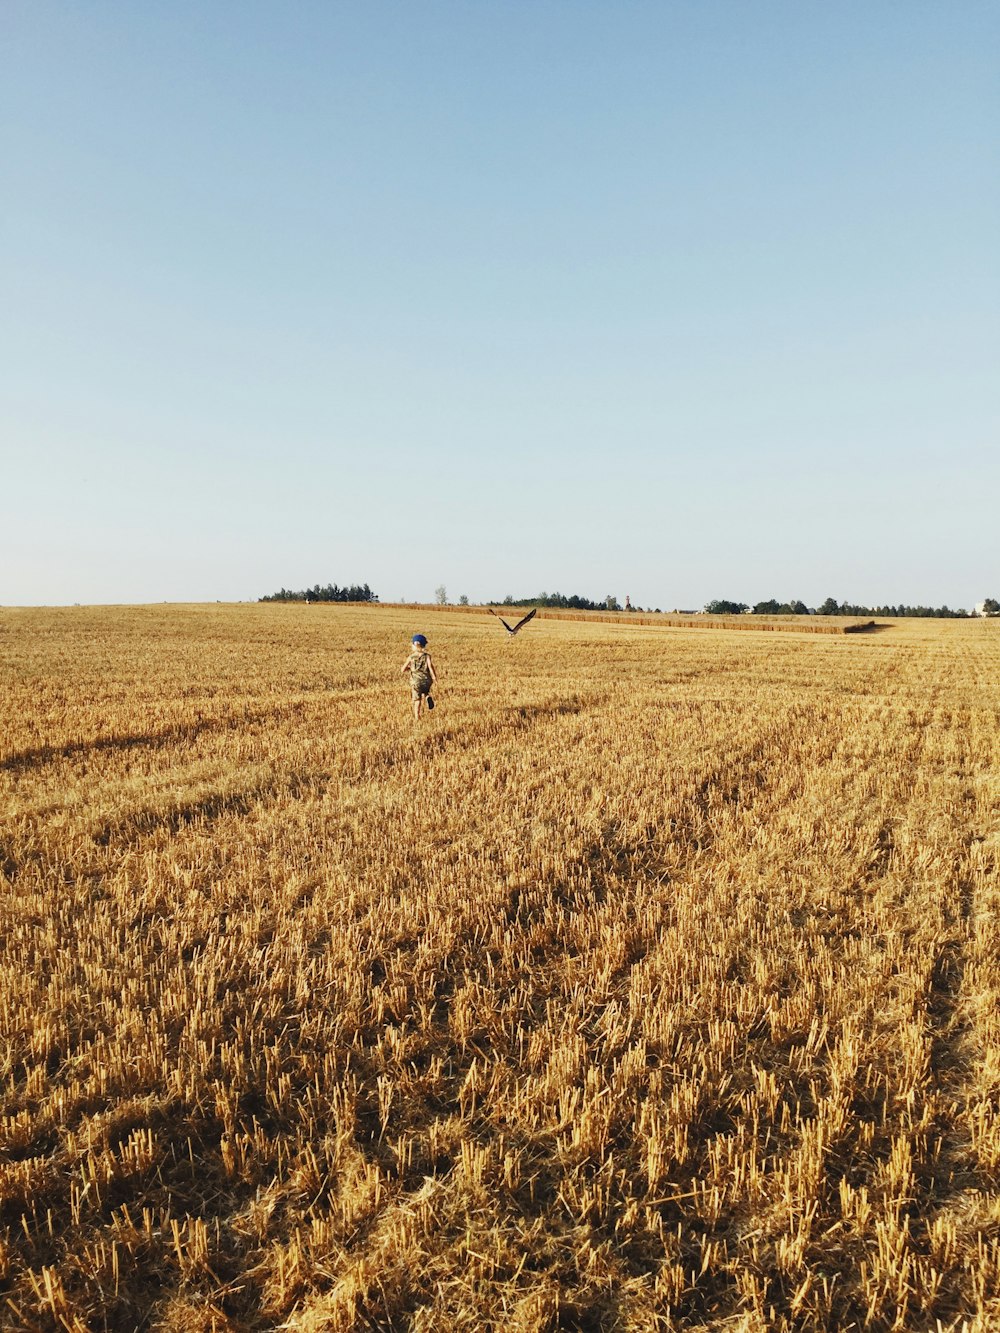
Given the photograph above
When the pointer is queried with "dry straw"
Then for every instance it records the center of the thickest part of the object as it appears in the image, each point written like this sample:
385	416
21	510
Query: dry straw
652	983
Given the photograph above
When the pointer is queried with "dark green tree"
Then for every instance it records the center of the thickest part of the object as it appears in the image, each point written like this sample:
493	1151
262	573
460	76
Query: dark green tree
331	593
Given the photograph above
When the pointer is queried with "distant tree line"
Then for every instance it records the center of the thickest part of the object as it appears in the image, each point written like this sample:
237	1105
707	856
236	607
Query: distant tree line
574	603
831	607
331	593
721	607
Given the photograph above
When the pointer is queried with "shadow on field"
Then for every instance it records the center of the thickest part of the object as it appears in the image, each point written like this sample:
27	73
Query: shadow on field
557	708
155	740
206	810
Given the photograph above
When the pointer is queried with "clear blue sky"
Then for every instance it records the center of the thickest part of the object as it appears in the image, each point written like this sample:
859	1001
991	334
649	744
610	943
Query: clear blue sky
680	300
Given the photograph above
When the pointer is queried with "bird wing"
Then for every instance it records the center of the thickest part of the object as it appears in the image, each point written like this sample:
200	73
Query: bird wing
524	619
501	619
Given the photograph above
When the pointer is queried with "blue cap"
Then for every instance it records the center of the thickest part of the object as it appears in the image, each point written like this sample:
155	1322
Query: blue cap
421	639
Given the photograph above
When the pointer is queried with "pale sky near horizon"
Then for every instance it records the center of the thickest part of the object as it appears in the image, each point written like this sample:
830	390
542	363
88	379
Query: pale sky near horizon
679	300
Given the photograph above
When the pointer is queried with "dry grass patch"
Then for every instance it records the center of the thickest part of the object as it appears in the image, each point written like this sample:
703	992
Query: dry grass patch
650	984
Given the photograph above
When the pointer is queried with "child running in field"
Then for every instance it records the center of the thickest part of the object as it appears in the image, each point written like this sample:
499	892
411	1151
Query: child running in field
422	674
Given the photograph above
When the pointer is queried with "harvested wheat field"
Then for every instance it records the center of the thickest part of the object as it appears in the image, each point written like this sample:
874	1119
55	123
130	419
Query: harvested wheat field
651	983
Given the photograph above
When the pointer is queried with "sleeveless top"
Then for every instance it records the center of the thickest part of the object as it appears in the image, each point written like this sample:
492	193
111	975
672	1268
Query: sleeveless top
420	674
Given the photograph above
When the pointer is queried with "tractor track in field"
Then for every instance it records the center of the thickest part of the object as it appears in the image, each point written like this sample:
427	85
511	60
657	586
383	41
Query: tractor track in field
161	738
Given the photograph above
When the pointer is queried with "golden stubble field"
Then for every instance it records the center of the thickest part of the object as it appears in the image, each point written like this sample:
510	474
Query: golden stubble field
651	983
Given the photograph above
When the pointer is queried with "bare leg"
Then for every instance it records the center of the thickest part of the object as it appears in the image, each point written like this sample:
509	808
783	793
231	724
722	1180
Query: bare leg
417	701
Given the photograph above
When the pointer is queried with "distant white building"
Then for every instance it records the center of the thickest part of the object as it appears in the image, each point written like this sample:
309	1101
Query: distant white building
980	608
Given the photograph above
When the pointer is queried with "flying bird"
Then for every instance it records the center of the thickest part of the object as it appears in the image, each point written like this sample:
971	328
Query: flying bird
512	629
